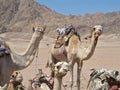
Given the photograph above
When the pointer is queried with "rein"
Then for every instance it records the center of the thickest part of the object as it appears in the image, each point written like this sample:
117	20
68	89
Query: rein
36	58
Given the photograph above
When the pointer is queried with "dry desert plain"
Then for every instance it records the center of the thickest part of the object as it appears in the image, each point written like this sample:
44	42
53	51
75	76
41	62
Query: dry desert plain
106	55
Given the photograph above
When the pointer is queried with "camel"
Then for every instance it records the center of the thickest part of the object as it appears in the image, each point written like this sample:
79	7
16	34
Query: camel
16	82
17	61
75	52
60	70
104	79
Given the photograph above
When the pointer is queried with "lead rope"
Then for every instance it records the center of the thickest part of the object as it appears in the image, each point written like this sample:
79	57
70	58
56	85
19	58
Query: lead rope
36	58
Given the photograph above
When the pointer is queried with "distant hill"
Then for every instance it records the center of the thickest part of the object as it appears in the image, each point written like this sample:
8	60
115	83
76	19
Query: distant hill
21	15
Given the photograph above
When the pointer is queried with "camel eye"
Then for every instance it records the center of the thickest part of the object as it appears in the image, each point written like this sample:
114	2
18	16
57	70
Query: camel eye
13	76
33	29
58	67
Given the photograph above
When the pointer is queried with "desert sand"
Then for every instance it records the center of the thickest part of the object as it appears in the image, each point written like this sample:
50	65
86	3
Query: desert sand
106	55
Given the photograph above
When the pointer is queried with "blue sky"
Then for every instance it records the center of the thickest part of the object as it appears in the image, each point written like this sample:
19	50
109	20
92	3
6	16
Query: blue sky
81	7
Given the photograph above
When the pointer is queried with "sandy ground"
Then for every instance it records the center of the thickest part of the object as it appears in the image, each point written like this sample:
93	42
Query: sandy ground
106	55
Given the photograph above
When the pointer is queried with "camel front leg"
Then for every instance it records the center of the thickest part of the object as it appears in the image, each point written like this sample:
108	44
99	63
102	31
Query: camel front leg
79	68
71	77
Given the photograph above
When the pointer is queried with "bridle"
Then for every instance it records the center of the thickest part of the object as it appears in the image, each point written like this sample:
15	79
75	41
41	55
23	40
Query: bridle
39	31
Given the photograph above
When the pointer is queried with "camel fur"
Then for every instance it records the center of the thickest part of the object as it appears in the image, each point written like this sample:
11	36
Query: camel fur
17	61
75	52
60	70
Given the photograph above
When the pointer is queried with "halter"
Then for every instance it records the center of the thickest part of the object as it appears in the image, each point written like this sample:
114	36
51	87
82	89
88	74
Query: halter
36	59
39	31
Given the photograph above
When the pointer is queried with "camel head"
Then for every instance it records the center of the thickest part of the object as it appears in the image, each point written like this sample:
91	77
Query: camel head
16	82
97	30
39	29
61	69
16	77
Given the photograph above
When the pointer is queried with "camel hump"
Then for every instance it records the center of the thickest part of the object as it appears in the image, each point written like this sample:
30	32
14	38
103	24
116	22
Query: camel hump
65	33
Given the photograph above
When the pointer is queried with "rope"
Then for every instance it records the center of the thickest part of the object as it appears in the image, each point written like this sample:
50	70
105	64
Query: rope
36	58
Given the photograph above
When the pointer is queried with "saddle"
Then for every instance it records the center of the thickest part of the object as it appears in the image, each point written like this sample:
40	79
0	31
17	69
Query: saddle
104	75
3	49
63	40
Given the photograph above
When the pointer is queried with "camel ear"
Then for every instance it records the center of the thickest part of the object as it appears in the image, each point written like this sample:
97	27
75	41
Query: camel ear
44	27
33	29
53	68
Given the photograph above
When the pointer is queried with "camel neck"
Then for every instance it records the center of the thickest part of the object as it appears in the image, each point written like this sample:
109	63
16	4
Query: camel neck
88	52
57	83
22	60
33	45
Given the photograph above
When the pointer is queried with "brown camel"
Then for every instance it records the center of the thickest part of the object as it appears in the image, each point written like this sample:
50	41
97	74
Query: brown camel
76	52
17	61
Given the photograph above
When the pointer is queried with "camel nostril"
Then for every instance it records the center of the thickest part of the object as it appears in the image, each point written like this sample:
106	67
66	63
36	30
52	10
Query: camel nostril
16	73
100	30
13	76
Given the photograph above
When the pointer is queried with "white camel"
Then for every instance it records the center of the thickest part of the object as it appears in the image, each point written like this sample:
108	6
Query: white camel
75	52
60	70
17	61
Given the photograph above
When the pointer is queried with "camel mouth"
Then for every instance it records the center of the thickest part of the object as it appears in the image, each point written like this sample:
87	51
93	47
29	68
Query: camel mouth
65	70
98	33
